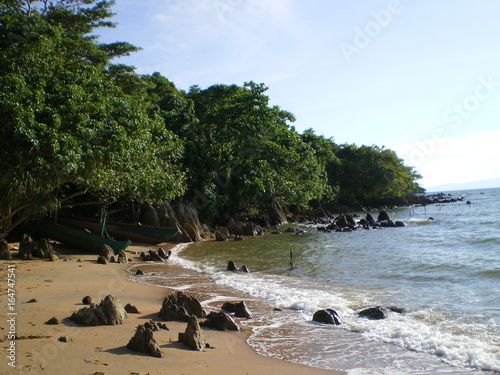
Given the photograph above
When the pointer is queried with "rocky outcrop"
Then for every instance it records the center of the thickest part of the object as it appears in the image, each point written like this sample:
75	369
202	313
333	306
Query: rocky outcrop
220	321
221	235
144	342
193	336
183	216
180	307
327	316
109	312
241	228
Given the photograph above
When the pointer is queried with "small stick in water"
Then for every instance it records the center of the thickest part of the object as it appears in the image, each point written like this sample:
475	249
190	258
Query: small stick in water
291	259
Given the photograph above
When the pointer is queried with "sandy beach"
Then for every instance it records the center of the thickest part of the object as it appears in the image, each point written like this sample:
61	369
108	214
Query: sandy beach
58	288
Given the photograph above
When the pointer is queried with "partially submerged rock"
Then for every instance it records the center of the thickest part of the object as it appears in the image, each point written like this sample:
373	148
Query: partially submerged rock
374	313
109	312
193	336
327	316
179	306
144	342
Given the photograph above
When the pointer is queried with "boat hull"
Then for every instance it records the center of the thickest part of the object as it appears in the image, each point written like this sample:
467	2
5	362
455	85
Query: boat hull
81	240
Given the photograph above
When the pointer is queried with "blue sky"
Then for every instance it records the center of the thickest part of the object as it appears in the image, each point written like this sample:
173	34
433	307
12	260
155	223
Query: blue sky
420	77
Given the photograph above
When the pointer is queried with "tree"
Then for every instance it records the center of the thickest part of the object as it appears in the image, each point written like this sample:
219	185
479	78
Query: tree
369	174
68	125
243	155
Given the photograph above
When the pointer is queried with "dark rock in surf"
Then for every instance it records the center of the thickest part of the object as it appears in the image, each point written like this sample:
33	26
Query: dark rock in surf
374	313
231	266
383	216
327	316
239	309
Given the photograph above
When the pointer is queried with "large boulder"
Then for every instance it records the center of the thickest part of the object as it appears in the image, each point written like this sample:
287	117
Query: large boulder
179	306
327	316
193	336
144	342
109	312
220	321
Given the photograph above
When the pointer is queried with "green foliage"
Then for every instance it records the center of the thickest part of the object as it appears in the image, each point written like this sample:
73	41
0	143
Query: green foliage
67	126
367	175
243	155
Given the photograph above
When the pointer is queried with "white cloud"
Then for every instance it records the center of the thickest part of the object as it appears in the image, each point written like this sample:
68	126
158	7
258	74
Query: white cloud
450	160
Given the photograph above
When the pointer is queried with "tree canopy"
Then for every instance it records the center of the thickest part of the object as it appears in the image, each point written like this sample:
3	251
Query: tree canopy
74	122
67	125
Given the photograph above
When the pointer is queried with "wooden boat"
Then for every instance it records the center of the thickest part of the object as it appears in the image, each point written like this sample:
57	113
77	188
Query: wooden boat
79	239
122	231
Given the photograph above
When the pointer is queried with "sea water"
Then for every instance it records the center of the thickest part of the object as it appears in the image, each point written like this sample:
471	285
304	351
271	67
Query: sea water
443	269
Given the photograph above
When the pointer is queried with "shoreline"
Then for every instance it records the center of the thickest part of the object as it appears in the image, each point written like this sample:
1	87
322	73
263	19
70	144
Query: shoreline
59	287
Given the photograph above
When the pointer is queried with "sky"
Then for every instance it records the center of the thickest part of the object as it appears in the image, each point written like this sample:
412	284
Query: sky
419	77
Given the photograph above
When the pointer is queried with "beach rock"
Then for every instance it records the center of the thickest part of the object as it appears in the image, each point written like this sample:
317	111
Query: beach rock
87	300
180	307
239	238
53	257
220	236
64	339
102	260
163	254
139	272
109	312
33	300
131	309
154	256
383	216
144	342
400	223
4	251
52	321
106	252
220	321
374	313
122	257
193	336
398	310
244	269
25	247
327	316
241	310
231	266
